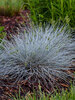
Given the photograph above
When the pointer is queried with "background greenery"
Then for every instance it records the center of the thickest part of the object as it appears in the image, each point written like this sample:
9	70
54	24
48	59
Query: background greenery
42	10
10	7
52	10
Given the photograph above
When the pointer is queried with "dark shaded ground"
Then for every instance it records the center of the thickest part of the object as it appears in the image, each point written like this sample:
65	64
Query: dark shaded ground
11	24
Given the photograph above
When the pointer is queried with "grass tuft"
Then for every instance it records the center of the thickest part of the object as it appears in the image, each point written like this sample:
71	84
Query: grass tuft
10	8
39	55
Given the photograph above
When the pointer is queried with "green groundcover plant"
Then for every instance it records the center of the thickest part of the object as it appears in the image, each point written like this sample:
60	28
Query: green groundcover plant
52	10
2	34
64	95
10	7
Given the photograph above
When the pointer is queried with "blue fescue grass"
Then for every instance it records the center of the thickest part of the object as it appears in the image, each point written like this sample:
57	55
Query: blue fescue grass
45	55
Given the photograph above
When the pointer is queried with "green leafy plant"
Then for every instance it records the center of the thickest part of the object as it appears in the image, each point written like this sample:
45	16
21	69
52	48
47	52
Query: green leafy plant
52	10
10	8
2	34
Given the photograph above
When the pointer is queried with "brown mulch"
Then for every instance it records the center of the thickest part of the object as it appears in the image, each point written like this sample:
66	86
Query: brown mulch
11	24
6	91
9	89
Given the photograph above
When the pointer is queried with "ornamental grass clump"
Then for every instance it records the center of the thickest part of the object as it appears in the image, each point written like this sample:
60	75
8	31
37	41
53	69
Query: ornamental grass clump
10	8
39	55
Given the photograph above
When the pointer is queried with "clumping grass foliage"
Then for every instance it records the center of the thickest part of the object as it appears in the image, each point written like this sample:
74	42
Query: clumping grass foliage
10	8
44	55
